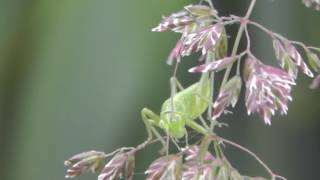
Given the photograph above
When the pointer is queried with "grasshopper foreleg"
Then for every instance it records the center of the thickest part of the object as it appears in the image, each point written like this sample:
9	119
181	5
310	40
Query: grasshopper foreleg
151	120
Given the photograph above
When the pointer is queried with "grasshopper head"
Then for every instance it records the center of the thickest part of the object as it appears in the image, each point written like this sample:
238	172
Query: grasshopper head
174	124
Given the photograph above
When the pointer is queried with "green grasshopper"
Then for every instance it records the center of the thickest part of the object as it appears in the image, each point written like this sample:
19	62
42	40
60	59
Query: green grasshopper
186	106
180	111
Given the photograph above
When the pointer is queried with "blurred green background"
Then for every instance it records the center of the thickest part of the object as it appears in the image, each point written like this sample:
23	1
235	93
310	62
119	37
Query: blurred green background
74	75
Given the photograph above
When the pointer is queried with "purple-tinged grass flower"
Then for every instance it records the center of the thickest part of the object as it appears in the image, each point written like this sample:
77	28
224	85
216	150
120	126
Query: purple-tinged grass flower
195	22
209	38
228	95
175	53
210	168
315	83
204	39
192	152
86	161
186	20
200	10
268	89
314	61
192	169
312	3
120	166
297	59
213	66
221	48
290	58
216	66
166	167
285	60
179	22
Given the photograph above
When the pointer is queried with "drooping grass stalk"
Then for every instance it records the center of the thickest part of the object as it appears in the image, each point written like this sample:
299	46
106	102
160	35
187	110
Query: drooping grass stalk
242	27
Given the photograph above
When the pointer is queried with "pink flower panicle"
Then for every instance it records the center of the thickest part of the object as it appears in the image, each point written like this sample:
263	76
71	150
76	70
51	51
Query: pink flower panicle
267	89
290	58
86	161
193	169
120	166
314	62
166	167
204	39
216	66
195	23
204	171
228	95
210	168
191	154
186	20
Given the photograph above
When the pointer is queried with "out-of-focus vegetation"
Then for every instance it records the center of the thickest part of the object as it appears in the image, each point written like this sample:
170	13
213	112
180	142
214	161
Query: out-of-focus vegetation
75	74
